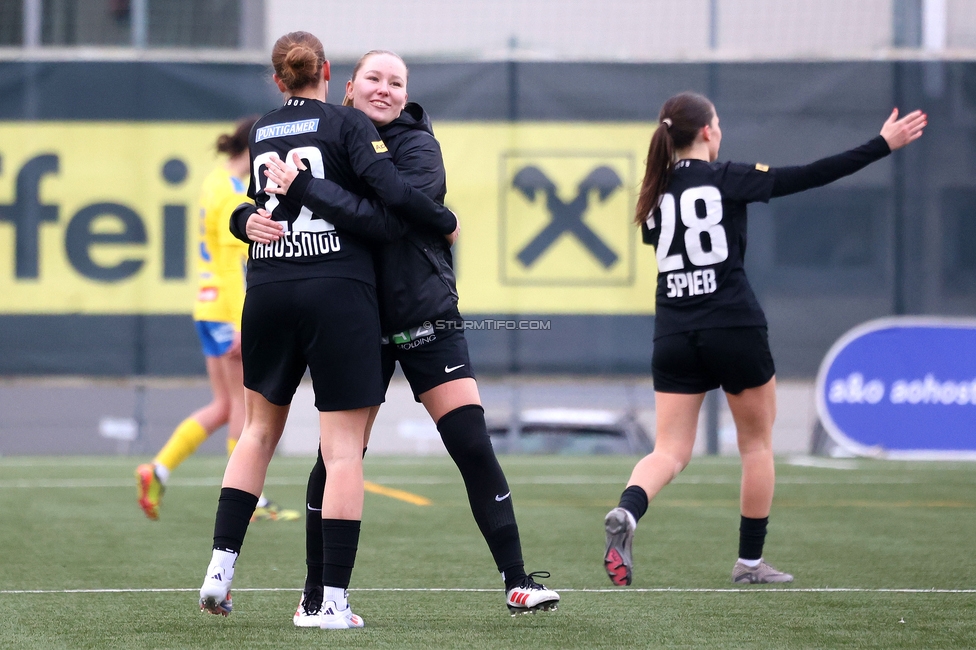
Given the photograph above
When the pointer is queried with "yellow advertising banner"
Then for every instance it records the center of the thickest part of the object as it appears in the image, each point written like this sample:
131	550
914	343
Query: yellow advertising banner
97	218
546	215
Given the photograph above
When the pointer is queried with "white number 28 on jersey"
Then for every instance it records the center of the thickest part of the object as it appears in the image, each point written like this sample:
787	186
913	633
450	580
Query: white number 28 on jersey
304	222
695	226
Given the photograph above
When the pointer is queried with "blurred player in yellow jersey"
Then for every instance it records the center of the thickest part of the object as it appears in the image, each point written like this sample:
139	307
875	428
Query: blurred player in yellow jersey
221	260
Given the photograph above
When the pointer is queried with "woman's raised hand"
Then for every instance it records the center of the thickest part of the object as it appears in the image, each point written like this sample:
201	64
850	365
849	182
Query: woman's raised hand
899	132
281	174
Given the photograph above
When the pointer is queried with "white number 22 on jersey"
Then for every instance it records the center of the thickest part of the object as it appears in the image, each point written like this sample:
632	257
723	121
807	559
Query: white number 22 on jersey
710	223
304	222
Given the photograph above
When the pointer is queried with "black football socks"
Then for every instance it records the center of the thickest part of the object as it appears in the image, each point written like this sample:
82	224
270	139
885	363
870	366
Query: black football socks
752	537
634	501
465	436
313	524
234	510
340	542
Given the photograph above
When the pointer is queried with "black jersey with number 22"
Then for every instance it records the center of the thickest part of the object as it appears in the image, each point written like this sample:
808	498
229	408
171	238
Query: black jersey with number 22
335	142
699	233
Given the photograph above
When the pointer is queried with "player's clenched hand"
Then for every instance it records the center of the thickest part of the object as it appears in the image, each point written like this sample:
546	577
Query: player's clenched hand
261	228
897	133
454	235
281	174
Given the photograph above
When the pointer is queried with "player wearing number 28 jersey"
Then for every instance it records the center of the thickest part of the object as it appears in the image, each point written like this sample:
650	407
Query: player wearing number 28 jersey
710	331
699	233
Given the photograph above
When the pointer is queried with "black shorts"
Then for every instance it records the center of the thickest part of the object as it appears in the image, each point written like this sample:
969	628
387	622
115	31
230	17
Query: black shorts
733	358
330	325
433	355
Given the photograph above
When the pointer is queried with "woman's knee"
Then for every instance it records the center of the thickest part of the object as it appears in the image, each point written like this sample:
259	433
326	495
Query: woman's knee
221	409
681	461
675	460
750	444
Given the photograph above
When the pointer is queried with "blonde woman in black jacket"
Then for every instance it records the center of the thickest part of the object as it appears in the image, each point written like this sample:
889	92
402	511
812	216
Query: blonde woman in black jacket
310	305
422	328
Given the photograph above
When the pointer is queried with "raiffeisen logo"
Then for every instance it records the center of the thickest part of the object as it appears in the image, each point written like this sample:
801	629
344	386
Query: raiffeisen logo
98	224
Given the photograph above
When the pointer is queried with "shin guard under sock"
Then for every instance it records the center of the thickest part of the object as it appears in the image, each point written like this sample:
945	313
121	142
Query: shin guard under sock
340	542
313	524
234	510
465	436
634	501
752	537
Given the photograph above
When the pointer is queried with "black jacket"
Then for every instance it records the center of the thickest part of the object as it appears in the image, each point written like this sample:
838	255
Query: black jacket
415	275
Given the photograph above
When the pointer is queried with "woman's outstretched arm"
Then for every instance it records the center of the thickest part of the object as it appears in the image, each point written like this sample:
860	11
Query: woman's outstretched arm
895	134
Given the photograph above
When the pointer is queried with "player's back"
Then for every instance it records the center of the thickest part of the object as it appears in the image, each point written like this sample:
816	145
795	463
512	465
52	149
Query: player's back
699	230
334	143
301	123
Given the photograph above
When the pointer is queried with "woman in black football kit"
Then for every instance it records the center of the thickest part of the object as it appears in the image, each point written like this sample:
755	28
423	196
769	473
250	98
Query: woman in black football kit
710	331
422	328
310	302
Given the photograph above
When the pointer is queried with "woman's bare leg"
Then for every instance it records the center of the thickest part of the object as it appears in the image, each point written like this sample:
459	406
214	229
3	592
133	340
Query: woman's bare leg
243	482
264	423
343	436
441	400
233	386
754	411
674	439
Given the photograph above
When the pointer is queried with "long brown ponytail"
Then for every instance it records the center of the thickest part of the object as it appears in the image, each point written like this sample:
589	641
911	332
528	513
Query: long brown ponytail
681	118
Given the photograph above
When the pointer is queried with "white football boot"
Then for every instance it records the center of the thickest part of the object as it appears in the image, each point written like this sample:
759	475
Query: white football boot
215	592
529	596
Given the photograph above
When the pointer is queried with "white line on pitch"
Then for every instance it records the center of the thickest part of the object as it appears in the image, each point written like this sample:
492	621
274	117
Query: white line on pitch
823	463
420	480
655	590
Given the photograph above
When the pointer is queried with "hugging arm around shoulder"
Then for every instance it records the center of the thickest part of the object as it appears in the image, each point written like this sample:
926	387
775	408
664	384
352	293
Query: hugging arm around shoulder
378	171
790	180
419	164
408	202
366	218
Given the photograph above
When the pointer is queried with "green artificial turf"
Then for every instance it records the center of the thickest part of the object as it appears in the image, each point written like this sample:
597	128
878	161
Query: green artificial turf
867	541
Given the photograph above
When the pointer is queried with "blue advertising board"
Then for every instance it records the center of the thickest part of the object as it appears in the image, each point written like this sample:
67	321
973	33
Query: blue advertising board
902	388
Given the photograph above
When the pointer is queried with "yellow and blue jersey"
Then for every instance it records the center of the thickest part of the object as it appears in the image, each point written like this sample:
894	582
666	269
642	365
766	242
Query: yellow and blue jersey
221	258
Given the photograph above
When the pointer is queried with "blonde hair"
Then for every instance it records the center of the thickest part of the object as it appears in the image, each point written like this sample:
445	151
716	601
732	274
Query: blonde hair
298	58
347	101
